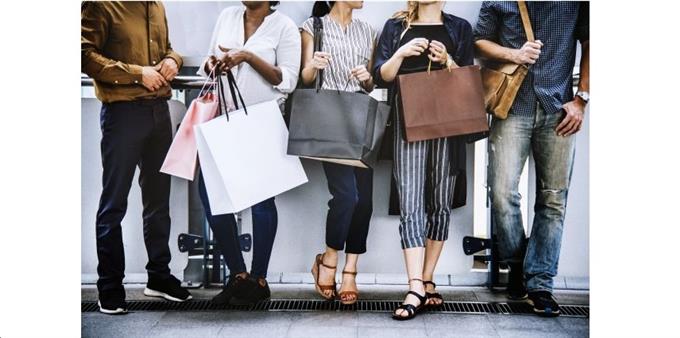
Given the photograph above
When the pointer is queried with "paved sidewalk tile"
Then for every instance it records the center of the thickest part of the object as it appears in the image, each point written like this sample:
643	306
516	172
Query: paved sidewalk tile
384	320
95	324
527	326
576	327
325	324
391	332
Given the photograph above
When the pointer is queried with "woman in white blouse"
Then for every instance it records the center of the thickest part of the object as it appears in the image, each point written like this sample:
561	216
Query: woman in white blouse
347	49
261	47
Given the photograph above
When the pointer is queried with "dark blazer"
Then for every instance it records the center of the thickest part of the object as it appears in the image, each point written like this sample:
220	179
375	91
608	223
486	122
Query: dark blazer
460	32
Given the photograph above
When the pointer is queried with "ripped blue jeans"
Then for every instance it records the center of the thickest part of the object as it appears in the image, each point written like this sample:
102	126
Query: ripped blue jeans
511	141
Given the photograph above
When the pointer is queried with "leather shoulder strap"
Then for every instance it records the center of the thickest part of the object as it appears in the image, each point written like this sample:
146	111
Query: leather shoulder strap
525	20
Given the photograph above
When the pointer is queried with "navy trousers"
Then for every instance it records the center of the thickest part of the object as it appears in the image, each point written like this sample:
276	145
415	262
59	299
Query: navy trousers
265	221
350	208
134	134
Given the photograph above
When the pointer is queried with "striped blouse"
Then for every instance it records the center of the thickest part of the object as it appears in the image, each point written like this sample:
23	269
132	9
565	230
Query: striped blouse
349	48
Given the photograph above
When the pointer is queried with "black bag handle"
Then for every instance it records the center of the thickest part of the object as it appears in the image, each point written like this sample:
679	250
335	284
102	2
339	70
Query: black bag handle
233	86
318	44
235	94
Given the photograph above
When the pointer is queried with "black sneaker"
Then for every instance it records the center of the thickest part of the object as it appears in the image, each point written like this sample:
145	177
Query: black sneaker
544	304
516	289
235	284
252	293
112	302
169	288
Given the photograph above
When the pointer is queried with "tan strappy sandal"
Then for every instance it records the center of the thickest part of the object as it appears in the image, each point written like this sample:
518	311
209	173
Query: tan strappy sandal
343	294
322	288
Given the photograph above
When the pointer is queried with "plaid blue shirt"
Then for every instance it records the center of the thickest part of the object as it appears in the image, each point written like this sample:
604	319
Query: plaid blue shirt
558	24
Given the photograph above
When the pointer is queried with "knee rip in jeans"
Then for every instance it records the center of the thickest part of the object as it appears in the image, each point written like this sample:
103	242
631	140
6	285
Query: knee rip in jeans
555	186
553	191
553	198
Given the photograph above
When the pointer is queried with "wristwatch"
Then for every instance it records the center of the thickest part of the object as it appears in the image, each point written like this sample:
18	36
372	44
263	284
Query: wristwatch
585	96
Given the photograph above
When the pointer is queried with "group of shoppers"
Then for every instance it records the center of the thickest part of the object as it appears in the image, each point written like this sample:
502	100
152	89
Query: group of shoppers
126	50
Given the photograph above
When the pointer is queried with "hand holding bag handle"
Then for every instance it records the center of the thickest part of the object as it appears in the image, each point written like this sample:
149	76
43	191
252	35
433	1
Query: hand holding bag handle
318	44
234	90
502	81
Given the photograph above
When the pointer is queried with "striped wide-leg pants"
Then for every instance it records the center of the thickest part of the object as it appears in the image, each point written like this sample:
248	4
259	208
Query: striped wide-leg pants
425	186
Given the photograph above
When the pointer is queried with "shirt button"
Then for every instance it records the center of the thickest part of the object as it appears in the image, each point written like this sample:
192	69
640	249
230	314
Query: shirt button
136	81
116	81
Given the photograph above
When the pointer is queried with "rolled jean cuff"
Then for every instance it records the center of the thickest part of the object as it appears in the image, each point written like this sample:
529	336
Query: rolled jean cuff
539	289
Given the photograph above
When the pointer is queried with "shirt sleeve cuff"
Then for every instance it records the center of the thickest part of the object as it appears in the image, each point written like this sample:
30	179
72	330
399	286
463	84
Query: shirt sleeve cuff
136	74
288	82
176	58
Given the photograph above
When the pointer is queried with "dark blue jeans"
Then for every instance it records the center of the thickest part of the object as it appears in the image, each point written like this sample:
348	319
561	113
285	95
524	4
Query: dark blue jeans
511	141
225	231
350	208
134	134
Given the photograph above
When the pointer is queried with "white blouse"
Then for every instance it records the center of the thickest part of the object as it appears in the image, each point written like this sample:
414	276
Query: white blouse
277	41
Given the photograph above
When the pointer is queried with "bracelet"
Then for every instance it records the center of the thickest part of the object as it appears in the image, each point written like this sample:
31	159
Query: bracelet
448	61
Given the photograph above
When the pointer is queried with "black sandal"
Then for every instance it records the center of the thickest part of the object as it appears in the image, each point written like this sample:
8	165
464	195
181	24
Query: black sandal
411	309
433	295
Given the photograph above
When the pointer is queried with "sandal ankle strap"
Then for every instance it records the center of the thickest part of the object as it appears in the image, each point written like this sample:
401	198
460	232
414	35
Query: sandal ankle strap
326	265
416	279
430	283
354	273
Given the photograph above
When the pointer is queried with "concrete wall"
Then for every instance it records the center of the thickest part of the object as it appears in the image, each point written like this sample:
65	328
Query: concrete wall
302	211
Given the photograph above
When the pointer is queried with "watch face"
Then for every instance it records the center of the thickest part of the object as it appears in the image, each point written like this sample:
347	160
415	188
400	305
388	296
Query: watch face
583	96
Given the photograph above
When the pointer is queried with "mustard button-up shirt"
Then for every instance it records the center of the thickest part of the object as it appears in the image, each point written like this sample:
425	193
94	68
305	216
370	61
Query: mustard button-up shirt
119	38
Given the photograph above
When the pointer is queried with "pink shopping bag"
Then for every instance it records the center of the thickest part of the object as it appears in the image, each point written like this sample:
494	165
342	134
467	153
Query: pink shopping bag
181	158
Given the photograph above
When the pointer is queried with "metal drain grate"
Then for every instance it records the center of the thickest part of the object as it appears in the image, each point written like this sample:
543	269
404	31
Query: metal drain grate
302	305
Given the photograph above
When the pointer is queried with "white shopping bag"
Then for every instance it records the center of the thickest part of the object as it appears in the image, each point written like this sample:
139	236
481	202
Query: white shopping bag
244	159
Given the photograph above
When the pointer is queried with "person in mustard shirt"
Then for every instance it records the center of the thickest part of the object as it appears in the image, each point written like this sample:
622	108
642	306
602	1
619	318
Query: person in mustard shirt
126	50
